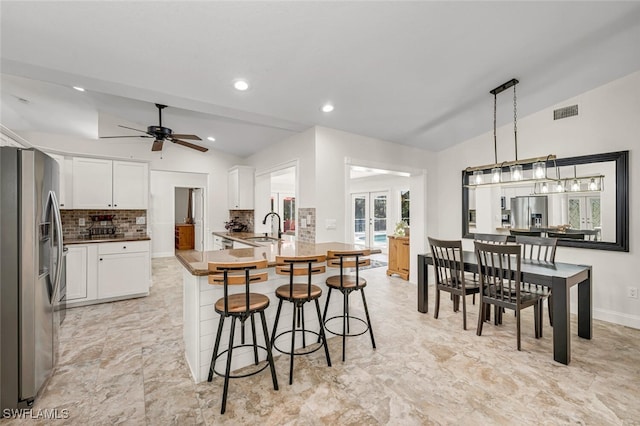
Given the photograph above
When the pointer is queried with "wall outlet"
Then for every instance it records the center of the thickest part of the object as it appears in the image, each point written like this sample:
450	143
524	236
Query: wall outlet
632	292
140	220
81	221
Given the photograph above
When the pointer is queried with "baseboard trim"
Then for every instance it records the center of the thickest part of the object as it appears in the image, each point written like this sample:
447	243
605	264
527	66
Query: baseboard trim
632	321
163	254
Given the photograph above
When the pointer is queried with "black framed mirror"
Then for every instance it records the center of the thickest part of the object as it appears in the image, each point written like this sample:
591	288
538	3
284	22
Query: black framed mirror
586	213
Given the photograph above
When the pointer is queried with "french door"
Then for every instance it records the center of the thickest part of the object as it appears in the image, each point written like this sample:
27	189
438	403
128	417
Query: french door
369	219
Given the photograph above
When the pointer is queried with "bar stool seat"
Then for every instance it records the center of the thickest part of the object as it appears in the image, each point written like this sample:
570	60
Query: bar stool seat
299	294
348	281
241	306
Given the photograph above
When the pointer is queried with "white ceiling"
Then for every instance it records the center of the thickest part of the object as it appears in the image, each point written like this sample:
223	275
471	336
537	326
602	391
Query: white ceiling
416	73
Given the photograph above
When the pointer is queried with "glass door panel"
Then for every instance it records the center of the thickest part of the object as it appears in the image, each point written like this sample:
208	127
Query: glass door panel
369	216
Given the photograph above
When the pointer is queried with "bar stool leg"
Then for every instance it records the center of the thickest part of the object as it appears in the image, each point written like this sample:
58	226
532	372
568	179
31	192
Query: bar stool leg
228	370
322	335
255	341
366	312
269	354
275	324
215	348
293	343
304	340
348	317
345	312
326	308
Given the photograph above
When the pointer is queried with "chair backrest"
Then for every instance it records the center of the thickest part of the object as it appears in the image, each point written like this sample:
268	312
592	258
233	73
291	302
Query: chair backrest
589	234
237	273
526	233
499	271
490	238
345	259
538	248
446	262
295	266
569	235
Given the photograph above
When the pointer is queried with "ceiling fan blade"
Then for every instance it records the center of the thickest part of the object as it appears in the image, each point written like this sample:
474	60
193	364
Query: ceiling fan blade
157	145
190	137
190	145
128	136
131	128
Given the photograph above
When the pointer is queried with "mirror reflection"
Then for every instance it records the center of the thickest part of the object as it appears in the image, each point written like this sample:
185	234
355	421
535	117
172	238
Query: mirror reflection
571	210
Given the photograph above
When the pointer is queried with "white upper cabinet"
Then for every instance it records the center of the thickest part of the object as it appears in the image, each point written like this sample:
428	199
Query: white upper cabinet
130	185
106	184
240	190
65	165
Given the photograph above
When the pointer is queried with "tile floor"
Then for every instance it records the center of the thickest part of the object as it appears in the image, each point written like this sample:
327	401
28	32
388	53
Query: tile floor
122	363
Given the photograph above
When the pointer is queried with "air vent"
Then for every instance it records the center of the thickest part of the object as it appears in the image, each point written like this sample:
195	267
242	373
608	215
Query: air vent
566	112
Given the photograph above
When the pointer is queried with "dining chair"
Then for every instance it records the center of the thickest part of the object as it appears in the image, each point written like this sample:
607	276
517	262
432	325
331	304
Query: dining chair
488	238
302	269
449	273
499	272
543	250
240	306
347	282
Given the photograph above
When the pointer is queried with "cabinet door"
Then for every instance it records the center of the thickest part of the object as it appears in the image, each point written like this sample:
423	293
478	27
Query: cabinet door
123	274
92	183
76	273
240	189
403	255
130	185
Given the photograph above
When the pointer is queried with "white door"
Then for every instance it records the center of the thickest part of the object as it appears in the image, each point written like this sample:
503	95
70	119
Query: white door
584	212
369	219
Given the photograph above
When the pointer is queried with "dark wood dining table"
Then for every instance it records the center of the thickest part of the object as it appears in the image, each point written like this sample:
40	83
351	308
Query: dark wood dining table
560	277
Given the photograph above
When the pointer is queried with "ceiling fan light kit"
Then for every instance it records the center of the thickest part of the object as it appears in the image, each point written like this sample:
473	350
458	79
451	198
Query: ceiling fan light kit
161	134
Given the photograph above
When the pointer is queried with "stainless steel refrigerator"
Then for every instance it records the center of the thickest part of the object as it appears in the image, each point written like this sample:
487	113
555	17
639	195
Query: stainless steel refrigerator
529	212
31	269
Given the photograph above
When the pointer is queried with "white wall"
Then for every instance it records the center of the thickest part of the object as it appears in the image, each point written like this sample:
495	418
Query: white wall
607	121
181	204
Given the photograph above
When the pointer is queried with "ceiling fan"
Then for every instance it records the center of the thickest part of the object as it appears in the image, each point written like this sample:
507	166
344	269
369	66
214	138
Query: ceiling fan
161	134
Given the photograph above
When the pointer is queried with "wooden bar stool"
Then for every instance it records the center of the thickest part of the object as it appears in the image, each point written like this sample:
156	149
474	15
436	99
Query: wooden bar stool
240	306
299	294
346	283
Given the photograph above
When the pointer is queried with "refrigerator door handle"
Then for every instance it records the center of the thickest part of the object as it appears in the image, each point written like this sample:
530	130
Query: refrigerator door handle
58	231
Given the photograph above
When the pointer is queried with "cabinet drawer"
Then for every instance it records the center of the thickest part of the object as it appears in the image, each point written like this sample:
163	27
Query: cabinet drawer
123	247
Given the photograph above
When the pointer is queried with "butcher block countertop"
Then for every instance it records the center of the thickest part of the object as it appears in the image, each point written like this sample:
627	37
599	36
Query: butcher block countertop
196	262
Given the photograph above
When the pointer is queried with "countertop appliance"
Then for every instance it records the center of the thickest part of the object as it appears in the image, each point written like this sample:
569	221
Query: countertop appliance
529	212
31	270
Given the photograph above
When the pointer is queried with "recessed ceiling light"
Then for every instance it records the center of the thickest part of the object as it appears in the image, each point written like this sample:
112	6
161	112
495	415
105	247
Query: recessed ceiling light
211	138
78	88
241	85
327	108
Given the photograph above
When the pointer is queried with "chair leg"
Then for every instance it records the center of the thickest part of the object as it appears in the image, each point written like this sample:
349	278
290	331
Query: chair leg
464	311
518	327
275	324
366	313
228	369
293	342
481	316
436	310
550	308
215	348
322	335
269	353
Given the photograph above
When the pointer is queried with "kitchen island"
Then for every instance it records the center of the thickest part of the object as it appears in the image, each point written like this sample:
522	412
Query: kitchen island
200	319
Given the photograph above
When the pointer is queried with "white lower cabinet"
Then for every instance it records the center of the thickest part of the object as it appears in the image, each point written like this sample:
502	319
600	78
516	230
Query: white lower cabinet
77	273
101	272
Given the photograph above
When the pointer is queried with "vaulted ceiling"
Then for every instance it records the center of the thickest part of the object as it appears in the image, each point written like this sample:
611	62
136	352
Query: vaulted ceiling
415	73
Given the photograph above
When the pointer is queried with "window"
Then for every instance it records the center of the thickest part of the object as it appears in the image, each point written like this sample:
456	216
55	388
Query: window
404	206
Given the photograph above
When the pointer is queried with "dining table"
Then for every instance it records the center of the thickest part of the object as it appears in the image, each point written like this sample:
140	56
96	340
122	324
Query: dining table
559	277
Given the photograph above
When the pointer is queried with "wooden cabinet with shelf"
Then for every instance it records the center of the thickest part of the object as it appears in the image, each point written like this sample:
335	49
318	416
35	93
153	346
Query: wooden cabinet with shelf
398	256
184	236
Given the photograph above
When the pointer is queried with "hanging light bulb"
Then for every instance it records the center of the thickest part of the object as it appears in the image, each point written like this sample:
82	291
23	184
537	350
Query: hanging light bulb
539	170
545	188
593	186
559	187
478	177
516	172
496	175
575	185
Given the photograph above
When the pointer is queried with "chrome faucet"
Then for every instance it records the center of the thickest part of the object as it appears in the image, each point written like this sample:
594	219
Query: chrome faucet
264	222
